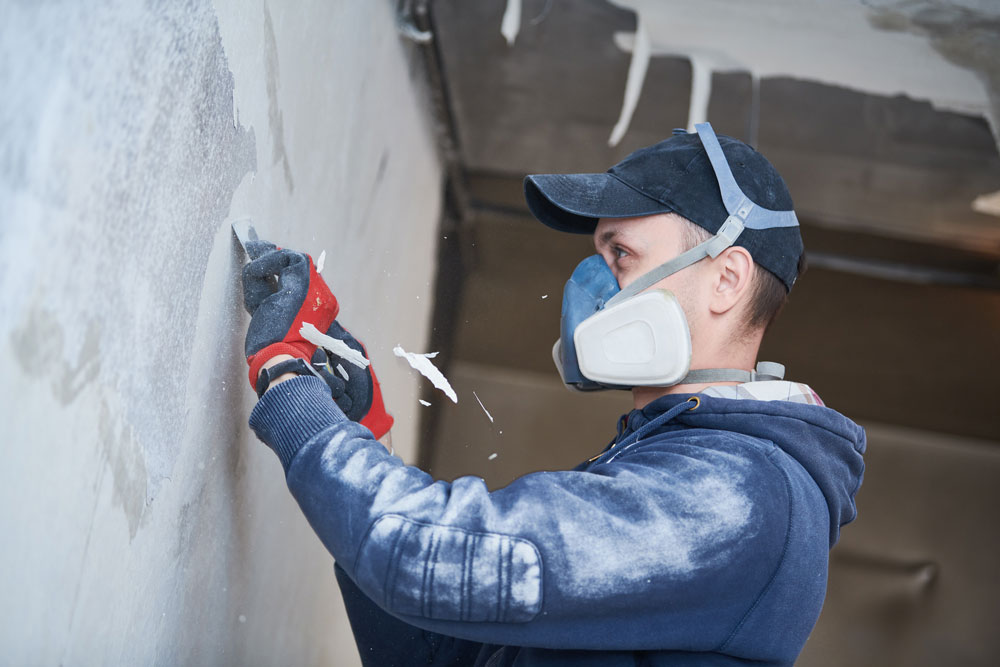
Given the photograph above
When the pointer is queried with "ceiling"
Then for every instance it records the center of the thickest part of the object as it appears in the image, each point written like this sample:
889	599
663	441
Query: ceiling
888	164
899	314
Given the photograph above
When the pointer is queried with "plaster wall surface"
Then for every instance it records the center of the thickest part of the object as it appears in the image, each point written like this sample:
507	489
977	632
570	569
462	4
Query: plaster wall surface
141	521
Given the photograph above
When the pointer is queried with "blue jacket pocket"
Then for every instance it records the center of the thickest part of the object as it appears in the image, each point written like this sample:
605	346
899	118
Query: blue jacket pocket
449	574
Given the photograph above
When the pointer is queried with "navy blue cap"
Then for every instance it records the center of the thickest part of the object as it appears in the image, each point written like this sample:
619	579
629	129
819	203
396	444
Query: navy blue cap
674	176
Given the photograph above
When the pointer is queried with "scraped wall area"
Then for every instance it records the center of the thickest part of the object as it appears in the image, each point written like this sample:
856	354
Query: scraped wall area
142	522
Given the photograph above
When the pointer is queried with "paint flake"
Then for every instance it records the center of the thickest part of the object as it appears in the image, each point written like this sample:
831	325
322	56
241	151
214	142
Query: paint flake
336	347
633	82
422	364
321	262
491	456
483	406
423	402
510	24
343	373
545	296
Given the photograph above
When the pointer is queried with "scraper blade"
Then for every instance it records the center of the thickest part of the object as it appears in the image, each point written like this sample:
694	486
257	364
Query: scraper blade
245	233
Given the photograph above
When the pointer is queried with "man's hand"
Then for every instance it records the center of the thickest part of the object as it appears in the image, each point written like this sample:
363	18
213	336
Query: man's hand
356	390
277	315
384	424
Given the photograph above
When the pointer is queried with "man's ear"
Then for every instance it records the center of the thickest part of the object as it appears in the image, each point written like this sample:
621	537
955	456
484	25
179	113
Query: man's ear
732	274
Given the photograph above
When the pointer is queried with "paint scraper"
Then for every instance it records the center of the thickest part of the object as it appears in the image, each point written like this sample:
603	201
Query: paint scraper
243	228
245	232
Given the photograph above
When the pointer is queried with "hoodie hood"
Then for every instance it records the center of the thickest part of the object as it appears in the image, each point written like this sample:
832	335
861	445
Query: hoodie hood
828	445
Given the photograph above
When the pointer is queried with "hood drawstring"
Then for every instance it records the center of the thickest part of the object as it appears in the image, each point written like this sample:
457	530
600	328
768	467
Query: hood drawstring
651	425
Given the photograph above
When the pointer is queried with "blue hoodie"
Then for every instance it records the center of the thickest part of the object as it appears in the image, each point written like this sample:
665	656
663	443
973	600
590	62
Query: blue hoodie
699	537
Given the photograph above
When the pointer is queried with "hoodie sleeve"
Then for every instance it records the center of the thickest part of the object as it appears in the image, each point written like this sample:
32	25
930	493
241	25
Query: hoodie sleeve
637	554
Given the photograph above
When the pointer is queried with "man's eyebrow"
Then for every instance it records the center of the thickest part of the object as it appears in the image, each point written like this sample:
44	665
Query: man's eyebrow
607	237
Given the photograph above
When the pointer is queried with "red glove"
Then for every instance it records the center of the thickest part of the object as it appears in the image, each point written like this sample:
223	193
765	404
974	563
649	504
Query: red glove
277	315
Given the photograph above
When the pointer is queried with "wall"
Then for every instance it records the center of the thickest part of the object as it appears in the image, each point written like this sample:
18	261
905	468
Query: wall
142	522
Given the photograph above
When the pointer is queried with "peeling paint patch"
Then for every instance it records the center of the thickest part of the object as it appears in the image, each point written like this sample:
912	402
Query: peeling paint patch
128	467
793	39
968	37
122	169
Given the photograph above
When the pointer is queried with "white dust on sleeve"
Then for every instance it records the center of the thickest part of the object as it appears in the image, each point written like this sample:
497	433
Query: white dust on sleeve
422	364
336	347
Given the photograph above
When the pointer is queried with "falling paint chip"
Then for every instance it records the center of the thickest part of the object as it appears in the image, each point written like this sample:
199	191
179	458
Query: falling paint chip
491	456
423	402
483	406
336	347
343	373
422	364
321	262
545	296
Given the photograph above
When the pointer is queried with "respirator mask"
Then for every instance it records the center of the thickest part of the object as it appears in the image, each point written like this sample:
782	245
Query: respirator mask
613	338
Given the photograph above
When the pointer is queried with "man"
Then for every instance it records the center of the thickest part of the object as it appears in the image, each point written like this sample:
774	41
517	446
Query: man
699	536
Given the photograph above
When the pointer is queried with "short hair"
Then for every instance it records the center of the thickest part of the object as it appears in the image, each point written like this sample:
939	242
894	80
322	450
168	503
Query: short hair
768	294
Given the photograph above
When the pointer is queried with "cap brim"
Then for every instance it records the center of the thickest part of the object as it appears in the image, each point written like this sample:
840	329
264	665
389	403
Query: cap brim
575	202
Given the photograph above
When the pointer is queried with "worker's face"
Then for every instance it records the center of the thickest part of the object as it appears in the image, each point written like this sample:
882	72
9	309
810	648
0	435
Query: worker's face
634	246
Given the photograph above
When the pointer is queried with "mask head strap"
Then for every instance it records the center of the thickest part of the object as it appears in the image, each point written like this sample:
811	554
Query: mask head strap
743	213
766	370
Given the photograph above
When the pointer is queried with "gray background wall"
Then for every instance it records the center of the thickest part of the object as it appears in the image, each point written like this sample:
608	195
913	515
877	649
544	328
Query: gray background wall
141	522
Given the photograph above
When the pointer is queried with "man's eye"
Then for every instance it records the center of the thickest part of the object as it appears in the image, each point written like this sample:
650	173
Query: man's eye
619	252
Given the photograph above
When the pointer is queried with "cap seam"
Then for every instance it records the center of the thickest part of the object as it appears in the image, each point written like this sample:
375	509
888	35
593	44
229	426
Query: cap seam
658	200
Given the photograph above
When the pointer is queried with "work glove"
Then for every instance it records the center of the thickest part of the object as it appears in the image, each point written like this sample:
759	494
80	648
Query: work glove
359	394
277	312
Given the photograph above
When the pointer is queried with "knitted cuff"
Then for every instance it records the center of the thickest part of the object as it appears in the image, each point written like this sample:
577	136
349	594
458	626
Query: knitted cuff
292	413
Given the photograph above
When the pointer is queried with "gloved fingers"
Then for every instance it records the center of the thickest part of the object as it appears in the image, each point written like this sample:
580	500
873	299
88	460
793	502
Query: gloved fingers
258	248
340	333
327	370
255	290
292	269
275	262
346	405
335	382
352	393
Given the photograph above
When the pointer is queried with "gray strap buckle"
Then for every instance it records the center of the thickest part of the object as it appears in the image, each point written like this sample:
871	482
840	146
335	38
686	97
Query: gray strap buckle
737	203
768	370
